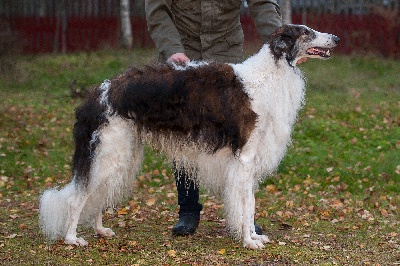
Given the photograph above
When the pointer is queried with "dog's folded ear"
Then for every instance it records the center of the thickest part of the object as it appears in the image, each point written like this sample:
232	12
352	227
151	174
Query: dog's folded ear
281	44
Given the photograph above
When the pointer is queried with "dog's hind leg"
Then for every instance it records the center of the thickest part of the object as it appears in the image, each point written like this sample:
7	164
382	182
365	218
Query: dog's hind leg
100	229
75	207
117	159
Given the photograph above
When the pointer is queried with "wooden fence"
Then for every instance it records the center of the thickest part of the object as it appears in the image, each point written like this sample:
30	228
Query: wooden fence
81	27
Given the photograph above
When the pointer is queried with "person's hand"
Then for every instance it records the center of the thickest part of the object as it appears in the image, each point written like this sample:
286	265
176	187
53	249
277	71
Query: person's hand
302	60
178	58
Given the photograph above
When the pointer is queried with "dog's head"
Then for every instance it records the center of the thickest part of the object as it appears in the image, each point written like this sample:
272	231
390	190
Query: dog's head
294	42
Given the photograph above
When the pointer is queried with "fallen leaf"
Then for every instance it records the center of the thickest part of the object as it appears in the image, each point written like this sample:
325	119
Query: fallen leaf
22	226
325	214
289	204
121	224
150	202
397	171
270	189
132	243
384	213
285	226
134	206
364	214
172	253
222	251
337	204
123	211
69	247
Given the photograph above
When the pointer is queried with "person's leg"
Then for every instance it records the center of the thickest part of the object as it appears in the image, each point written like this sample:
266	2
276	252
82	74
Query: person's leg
189	206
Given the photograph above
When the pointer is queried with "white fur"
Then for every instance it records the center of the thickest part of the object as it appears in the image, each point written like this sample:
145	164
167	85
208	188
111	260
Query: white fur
276	90
52	217
117	162
190	64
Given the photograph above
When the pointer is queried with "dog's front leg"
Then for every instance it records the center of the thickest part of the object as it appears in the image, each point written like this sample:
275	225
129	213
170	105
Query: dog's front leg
100	229
250	238
258	238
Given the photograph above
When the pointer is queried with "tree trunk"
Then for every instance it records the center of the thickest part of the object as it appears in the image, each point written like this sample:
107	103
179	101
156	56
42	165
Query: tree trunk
126	27
61	28
287	12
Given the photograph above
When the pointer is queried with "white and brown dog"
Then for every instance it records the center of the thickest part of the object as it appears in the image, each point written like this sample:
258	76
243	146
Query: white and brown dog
228	124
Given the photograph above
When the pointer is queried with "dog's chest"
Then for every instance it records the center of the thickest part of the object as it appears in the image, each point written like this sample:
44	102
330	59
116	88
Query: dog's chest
276	98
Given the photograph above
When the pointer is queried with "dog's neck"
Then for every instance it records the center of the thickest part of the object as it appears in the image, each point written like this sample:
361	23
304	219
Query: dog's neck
260	63
262	68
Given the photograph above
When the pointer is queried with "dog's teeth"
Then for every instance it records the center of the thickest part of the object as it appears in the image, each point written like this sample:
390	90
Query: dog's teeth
328	52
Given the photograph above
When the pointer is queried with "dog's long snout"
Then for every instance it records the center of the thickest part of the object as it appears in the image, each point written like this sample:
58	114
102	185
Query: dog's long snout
336	39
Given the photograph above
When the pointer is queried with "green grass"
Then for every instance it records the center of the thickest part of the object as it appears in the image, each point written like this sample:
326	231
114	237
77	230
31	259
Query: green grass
334	200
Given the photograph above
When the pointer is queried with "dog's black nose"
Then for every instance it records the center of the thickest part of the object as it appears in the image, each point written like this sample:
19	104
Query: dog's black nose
336	39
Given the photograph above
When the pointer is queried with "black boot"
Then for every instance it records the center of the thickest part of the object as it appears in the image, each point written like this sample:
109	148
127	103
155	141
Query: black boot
186	225
258	229
188	200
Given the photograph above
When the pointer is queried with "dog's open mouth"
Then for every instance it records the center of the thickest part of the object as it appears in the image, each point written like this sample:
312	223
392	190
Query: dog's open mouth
322	52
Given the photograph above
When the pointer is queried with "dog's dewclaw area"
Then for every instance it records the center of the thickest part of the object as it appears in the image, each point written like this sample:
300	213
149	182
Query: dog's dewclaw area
334	200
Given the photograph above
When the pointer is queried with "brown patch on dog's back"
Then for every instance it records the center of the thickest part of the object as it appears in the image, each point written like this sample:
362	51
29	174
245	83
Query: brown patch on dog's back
207	104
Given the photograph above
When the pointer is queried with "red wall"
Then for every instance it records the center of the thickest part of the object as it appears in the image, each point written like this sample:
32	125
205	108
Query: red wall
357	32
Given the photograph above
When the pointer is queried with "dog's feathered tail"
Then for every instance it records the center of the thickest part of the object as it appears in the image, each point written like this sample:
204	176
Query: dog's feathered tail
90	118
53	211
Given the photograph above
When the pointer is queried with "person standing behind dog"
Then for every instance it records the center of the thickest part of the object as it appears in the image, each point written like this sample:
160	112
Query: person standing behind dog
185	30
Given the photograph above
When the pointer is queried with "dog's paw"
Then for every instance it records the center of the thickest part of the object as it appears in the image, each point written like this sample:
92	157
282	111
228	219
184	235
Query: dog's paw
106	232
77	241
262	238
253	244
